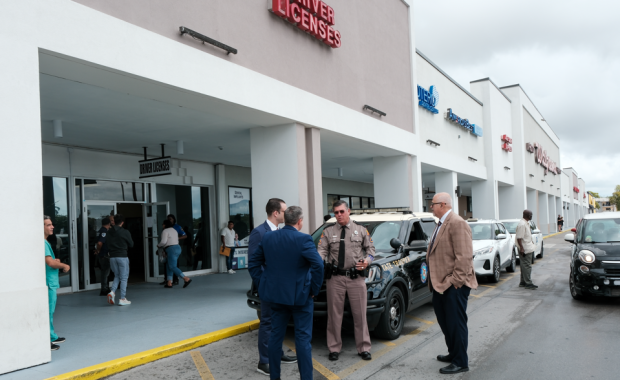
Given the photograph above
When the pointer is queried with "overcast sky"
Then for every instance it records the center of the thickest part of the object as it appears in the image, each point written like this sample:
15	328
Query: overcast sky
564	54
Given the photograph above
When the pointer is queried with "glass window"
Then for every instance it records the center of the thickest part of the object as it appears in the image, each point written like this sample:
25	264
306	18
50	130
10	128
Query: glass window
498	230
331	198
372	202
416	233
239	201
429	229
511	227
355	203
599	231
381	233
98	190
56	206
482	231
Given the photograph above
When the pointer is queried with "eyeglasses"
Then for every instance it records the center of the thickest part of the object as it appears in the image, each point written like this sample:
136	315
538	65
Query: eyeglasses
339	212
436	203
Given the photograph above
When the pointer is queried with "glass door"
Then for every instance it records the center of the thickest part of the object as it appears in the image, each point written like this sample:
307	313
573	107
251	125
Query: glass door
153	215
90	271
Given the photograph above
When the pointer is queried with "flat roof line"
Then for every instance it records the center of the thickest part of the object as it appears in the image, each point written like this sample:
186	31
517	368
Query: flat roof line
493	83
447	76
534	104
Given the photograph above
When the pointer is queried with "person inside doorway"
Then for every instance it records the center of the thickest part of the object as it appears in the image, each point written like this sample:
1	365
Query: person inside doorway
52	265
181	235
170	242
560	223
228	241
119	241
103	256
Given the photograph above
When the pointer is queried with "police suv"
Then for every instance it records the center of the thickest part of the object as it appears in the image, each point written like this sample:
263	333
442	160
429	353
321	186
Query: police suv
397	278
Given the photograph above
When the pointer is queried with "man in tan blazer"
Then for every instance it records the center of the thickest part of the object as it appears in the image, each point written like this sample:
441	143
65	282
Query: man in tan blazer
450	261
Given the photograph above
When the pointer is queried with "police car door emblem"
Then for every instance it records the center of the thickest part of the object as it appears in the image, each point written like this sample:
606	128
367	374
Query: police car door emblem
423	273
103	234
356	232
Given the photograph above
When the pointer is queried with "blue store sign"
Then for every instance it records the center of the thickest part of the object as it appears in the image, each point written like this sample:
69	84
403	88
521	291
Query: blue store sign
473	128
428	99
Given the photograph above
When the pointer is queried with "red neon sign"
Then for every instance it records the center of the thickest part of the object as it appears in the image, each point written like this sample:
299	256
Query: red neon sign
312	16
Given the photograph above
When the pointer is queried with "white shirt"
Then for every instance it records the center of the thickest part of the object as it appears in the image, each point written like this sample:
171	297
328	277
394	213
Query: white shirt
271	225
442	220
229	237
524	232
169	237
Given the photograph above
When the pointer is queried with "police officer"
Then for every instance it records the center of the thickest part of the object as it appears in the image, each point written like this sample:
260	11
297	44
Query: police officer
347	247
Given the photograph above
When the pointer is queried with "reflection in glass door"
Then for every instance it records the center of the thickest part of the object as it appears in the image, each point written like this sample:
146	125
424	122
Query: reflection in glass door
91	271
153	215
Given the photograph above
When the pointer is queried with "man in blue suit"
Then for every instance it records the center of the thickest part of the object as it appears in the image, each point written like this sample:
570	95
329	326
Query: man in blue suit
289	273
275	215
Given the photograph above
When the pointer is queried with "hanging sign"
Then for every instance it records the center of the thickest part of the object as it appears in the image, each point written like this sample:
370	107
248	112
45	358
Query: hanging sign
155	167
312	16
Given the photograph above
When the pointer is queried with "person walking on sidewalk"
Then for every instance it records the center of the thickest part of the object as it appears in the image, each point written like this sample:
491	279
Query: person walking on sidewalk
119	240
52	265
289	273
275	216
526	250
170	242
228	241
102	254
451	279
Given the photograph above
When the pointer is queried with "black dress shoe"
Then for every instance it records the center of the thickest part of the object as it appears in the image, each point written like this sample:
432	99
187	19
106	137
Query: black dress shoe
531	287
168	286
263	368
452	369
288	359
187	283
58	340
365	355
444	358
333	356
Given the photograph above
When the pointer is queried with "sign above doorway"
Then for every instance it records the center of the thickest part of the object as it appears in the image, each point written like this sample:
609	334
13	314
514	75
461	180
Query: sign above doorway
312	16
155	167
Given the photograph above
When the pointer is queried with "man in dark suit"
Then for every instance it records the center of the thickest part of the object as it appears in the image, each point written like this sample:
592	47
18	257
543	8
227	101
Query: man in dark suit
275	215
289	273
451	270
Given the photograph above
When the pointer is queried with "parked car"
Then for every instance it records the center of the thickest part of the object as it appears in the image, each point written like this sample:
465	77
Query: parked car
493	249
398	276
595	256
537	237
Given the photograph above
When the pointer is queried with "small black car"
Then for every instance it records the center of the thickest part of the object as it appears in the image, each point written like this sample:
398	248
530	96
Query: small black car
398	276
595	256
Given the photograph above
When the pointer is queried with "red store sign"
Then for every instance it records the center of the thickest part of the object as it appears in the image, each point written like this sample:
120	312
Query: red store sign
542	158
312	16
506	143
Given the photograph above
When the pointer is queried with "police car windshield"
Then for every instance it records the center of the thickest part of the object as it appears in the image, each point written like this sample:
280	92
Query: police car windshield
482	231
381	233
599	231
511	227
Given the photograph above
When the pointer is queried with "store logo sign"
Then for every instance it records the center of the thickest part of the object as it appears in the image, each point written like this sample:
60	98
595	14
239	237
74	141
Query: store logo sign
312	16
506	143
542	158
476	130
428	99
156	167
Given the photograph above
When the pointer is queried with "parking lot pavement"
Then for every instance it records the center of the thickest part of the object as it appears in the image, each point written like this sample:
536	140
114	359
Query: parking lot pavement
507	326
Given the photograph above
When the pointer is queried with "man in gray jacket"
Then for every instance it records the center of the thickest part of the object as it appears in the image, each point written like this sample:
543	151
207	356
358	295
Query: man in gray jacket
119	240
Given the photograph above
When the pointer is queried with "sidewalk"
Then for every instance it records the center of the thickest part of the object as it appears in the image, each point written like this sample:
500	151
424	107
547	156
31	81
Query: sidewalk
97	332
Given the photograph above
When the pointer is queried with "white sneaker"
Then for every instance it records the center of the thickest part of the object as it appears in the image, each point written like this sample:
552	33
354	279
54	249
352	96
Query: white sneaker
111	298
231	271
124	302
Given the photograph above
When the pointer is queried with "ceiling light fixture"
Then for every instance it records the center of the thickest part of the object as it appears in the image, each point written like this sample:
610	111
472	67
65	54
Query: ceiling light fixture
180	147
57	128
340	172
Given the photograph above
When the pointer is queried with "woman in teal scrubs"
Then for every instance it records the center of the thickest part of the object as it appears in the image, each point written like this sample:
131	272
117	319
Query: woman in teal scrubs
52	264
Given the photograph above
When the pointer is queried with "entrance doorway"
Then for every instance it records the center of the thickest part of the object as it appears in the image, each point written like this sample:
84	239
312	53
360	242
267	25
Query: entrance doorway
135	225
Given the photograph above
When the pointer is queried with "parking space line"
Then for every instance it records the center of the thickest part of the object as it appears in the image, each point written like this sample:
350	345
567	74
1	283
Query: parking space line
487	286
420	319
201	366
329	375
390	344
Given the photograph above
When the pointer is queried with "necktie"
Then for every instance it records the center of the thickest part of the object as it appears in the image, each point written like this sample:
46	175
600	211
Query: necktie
341	249
430	248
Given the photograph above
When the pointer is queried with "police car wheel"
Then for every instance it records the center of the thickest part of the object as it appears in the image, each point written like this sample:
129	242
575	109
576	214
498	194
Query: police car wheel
393	318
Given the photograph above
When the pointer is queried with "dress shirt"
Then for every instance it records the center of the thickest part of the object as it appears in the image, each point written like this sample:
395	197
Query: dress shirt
271	225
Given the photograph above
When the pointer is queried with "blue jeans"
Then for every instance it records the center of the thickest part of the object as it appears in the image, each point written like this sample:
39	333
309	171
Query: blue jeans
173	252
230	258
120	268
302	318
451	311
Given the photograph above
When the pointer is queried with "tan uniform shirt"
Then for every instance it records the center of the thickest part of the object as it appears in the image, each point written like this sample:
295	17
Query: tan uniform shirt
357	242
524	232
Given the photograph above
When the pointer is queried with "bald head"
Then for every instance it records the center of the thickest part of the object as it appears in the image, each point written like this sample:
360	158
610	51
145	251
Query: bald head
441	204
443	197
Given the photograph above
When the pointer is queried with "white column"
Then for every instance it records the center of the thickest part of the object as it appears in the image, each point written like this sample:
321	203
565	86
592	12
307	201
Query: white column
484	200
553	215
24	311
558	209
543	213
394	181
315	179
221	199
279	169
416	179
532	203
446	182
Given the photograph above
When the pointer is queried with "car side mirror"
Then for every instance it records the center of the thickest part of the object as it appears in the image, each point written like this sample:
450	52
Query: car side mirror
418	245
395	243
501	236
536	231
569	238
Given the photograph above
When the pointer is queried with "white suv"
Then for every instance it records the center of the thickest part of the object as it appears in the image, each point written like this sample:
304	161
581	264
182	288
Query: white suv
537	237
493	249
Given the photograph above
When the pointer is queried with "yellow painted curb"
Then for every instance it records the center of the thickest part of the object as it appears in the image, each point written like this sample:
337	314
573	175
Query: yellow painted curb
557	233
112	367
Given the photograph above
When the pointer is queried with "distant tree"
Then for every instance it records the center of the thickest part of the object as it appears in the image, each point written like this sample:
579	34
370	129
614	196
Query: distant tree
615	198
597	205
595	195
